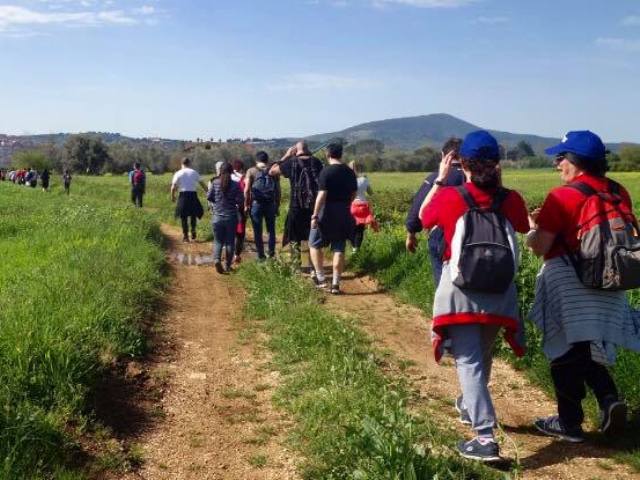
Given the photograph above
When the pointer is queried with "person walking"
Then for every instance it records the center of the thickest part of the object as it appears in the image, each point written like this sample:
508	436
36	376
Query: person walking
332	223
227	198
413	225
44	179
582	325
66	181
302	169
361	207
238	176
188	207
138	181
477	220
262	201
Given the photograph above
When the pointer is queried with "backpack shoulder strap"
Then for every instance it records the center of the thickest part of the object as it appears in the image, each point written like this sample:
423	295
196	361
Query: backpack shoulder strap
464	193
499	198
583	188
614	187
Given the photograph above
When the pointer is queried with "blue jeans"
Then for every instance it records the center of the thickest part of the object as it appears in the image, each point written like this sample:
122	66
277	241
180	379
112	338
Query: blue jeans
266	211
224	235
436	248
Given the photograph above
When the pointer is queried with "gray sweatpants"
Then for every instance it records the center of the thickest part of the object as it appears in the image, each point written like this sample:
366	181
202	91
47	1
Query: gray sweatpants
471	346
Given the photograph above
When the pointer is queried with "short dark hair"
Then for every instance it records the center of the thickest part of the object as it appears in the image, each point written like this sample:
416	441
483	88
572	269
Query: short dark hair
262	156
186	161
453	144
597	167
334	150
136	165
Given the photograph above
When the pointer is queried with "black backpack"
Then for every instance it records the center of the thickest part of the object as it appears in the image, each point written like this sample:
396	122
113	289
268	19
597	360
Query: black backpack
263	189
484	247
305	183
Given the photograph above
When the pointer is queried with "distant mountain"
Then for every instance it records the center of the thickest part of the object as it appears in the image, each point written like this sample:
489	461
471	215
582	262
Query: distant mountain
410	133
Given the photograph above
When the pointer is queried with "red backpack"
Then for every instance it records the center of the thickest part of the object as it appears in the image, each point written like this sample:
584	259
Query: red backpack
609	254
138	178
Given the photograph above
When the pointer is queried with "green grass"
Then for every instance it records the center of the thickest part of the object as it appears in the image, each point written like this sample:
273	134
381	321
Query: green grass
352	421
409	276
77	277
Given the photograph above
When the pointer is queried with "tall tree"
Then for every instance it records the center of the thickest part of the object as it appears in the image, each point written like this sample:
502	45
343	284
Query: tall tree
86	154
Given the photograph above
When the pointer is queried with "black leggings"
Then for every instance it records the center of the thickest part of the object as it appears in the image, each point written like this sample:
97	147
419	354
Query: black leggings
185	226
570	373
358	236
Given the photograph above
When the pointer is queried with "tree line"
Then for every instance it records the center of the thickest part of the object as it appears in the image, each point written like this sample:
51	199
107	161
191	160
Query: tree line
90	154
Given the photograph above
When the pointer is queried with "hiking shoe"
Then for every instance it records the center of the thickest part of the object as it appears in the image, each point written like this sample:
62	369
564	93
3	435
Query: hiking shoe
553	427
465	419
480	449
318	283
335	289
185	239
219	267
237	259
613	418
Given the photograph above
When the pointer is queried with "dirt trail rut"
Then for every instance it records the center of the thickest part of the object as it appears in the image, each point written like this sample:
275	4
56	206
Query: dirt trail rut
404	330
217	419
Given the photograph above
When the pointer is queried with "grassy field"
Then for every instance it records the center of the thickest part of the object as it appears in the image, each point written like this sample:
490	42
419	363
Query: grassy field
409	276
77	277
351	420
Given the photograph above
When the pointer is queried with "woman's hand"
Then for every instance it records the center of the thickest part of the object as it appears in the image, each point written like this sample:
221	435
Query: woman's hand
533	219
445	166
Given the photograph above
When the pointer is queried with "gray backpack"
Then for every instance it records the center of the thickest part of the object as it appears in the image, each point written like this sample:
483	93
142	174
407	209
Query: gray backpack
609	253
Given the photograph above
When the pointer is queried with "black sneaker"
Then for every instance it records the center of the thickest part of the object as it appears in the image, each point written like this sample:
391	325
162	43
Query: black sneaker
553	427
613	418
480	450
185	239
335	289
465	419
219	267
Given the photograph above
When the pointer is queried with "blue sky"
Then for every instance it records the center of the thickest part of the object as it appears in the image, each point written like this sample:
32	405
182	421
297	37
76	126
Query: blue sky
189	68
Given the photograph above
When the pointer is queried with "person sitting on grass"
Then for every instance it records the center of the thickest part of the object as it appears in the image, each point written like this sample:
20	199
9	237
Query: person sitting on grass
227	199
332	222
582	325
470	304
413	224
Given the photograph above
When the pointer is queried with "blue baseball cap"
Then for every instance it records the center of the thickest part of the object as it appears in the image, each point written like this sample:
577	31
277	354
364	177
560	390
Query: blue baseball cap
480	145
581	142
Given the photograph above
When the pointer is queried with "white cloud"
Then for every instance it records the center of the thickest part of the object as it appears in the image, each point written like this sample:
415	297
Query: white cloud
620	44
21	21
426	3
631	21
320	81
492	20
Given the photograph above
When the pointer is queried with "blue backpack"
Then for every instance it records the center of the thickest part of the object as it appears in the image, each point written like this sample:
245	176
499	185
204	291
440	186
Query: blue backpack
263	189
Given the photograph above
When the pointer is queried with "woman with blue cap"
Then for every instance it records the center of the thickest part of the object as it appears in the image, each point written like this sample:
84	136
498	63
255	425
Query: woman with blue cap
476	295
582	322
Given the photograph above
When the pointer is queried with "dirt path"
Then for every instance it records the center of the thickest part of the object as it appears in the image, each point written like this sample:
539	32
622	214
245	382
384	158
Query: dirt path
403	330
216	419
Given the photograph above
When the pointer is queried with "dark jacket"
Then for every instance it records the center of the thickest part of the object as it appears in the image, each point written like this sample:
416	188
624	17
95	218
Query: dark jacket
413	223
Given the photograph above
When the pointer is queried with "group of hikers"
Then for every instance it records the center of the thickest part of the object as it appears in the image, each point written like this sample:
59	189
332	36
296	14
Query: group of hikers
29	177
585	230
588	236
328	206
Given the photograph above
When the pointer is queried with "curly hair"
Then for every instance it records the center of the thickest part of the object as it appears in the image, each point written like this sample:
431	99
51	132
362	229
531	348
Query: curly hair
484	173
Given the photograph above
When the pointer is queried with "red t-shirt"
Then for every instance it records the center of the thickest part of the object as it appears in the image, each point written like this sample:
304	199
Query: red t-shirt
447	206
560	213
